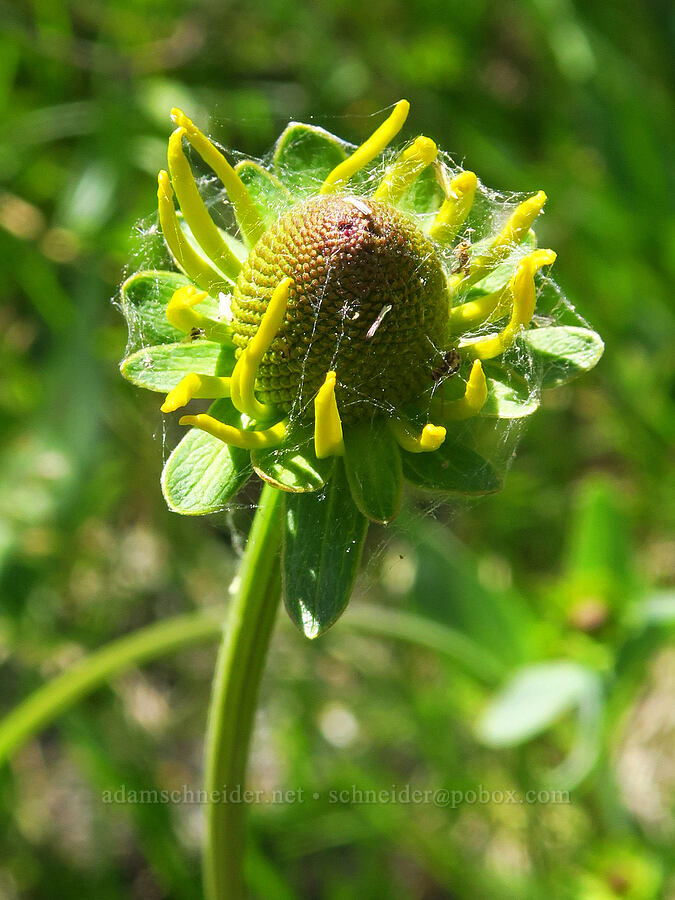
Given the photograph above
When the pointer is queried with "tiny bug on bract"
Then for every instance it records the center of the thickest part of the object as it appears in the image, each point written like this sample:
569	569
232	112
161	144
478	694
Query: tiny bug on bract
463	253
447	366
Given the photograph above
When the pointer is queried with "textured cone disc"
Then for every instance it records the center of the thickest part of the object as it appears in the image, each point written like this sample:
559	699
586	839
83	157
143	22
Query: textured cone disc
369	301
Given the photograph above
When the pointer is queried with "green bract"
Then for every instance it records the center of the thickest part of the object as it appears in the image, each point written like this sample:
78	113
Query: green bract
368	303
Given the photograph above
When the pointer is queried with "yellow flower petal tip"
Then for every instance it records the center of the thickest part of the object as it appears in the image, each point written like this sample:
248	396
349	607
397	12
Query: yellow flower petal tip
406	168
194	385
456	207
426	441
368	150
194	210
540	258
520	222
464	182
523	287
424	149
175	139
180	395
431	438
179	118
328	438
475	395
246	212
163	185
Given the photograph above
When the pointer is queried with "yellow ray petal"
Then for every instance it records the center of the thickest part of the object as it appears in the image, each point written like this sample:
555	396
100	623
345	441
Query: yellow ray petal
180	314
513	233
208	387
475	395
248	217
196	268
195	212
405	169
465	316
523	293
327	424
429	439
243	377
456	207
236	437
368	150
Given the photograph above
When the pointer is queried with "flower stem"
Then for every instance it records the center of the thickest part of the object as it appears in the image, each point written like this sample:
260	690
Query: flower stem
239	668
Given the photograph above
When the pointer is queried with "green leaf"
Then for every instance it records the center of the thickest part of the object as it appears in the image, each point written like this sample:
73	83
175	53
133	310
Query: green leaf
562	352
269	194
533	700
453	469
144	298
425	195
203	473
305	155
160	368
293	467
373	465
323	541
509	396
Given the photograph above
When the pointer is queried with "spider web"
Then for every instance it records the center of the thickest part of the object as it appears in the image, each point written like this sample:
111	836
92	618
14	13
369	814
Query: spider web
495	439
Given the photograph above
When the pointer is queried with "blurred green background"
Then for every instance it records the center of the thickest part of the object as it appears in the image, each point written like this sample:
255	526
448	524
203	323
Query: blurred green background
564	581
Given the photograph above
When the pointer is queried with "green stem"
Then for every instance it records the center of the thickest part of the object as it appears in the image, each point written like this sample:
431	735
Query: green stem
59	694
414	629
239	668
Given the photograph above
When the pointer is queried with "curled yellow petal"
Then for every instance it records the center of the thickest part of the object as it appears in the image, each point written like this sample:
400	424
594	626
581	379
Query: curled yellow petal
248	217
456	207
194	210
519	223
242	385
181	314
475	395
523	293
196	386
467	315
513	233
426	441
368	150
327	424
195	267
405	169
237	437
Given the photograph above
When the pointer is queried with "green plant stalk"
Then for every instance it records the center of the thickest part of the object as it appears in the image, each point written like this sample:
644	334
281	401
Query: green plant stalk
239	668
57	696
471	657
62	692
